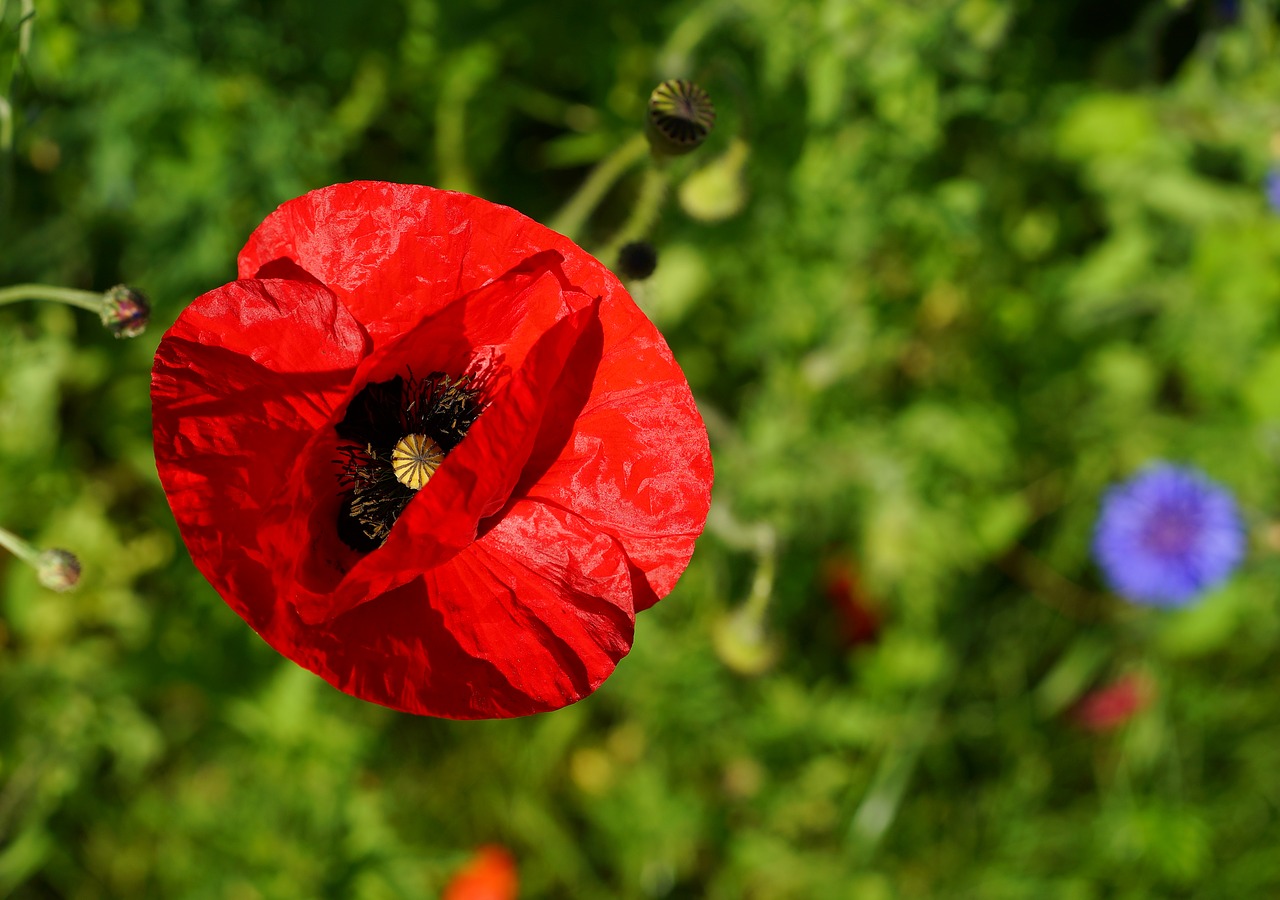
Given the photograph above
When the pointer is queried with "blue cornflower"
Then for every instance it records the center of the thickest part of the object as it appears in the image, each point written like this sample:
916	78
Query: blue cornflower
1271	187
1167	535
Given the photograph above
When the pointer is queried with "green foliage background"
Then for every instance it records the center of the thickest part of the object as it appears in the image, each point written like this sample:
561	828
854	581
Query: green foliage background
944	271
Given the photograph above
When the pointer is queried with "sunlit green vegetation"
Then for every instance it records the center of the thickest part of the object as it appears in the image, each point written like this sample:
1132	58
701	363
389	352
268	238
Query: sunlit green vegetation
943	272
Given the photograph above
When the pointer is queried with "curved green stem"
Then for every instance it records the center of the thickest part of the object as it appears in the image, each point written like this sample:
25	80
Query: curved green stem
6	152
89	300
757	603
644	215
1045	584
28	9
6	126
19	548
883	799
574	214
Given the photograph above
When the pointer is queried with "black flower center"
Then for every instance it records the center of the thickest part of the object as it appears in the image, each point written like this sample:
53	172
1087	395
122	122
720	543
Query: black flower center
399	432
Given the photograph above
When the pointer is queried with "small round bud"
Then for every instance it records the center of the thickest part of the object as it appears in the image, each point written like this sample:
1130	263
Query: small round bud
680	117
637	260
58	570
125	311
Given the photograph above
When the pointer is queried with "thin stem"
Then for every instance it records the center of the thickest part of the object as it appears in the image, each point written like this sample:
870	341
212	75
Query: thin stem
762	540
24	28
89	300
19	548
1050	587
574	214
6	126
883	799
757	604
644	215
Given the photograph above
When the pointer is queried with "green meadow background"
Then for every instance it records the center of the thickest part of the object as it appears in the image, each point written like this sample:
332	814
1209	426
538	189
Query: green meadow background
944	271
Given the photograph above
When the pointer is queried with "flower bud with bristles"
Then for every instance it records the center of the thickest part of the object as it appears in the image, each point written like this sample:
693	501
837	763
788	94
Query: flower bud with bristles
125	311
58	570
681	116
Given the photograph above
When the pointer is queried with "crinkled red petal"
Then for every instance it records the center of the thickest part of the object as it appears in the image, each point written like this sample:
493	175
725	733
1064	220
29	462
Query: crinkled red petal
638	465
395	253
240	382
532	617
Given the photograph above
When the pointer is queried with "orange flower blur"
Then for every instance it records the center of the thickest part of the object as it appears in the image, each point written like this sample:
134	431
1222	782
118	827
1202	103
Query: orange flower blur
490	874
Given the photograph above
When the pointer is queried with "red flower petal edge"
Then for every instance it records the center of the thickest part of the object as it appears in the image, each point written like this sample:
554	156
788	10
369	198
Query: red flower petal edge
490	874
508	582
1109	707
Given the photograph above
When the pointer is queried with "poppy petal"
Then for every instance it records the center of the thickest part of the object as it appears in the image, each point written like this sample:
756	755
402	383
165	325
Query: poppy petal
532	617
209	443
638	464
395	253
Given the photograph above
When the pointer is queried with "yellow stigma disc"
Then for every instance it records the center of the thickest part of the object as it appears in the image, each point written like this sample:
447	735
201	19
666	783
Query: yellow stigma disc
415	459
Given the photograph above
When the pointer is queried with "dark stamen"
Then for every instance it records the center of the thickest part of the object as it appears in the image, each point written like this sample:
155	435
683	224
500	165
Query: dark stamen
378	418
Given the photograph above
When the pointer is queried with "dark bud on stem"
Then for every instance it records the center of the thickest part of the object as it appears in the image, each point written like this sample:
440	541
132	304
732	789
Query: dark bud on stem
125	312
637	260
681	116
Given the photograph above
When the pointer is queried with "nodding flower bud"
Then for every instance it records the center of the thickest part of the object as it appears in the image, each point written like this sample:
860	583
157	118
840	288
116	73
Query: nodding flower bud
125	311
742	643
637	260
58	570
680	118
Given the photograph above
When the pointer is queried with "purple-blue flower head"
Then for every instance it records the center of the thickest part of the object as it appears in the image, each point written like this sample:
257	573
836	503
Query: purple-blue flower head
1271	188
1167	535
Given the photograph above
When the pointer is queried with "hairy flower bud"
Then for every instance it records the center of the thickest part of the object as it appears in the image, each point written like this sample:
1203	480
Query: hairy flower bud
58	570
125	311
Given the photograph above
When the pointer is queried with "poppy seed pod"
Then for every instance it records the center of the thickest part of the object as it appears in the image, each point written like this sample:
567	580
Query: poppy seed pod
680	118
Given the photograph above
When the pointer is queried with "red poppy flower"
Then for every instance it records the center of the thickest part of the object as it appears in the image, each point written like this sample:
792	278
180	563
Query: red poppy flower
430	450
1113	705
489	875
856	613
